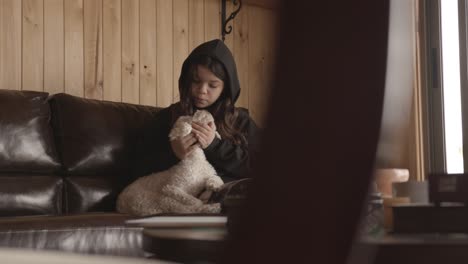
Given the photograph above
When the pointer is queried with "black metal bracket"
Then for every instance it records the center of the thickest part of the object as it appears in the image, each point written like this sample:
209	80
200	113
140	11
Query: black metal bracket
225	29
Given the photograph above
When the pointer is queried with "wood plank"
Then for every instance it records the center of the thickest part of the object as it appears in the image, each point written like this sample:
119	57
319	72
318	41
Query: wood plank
33	45
10	44
256	65
130	51
74	75
93	58
196	23
271	40
270	4
54	57
148	72
181	41
261	61
164	51
212	19
418	111
112	50
241	54
229	38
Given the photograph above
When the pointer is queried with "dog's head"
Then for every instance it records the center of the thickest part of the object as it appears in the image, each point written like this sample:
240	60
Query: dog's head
202	116
181	128
183	125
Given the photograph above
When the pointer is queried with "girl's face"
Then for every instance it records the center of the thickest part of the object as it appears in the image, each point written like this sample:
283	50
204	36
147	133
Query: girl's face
206	88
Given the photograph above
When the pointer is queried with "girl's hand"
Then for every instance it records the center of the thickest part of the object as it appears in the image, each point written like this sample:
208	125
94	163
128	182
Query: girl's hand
183	146
204	133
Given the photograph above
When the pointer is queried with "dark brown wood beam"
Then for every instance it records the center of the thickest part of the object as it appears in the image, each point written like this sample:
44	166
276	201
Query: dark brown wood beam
270	4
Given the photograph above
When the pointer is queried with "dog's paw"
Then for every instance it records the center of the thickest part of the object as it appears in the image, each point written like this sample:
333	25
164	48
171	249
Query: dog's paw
205	196
214	184
181	128
211	208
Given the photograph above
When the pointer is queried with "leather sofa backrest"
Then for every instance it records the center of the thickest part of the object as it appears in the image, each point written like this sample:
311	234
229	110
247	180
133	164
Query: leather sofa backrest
26	139
95	140
28	157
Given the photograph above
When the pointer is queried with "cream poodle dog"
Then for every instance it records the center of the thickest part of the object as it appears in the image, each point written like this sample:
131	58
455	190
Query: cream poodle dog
183	188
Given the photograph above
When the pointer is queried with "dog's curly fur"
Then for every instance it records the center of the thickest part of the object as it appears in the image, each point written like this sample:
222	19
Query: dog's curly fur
184	188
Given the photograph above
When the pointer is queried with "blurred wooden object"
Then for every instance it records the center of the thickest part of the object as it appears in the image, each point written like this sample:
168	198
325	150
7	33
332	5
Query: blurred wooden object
386	177
388	211
321	134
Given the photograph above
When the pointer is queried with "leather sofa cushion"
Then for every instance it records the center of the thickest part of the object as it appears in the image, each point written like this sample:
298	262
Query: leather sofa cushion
96	137
96	233
30	195
91	194
26	138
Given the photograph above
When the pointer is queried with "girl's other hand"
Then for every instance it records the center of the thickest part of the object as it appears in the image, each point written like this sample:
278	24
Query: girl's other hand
204	133
183	146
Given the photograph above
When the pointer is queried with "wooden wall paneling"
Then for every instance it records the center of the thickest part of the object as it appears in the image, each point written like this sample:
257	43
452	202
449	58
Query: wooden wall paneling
418	112
112	50
271	40
229	38
181	41
148	74
271	37
10	44
196	23
256	65
33	45
270	4
212	19
130	51
54	72
93	58
417	121
84	54
164	52
241	54
412	142
74	72
261	60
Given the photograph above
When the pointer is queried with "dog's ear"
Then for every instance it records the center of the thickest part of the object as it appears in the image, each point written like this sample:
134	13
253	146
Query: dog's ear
181	128
203	117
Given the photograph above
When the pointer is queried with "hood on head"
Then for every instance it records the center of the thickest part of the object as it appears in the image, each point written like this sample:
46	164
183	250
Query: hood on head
218	50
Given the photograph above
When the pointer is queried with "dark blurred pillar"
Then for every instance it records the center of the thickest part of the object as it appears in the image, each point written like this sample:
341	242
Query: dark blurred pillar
321	134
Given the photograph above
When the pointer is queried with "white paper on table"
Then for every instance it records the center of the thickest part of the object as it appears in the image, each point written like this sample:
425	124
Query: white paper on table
179	221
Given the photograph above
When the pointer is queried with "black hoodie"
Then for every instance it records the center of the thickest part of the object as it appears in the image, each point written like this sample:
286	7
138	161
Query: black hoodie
218	50
231	161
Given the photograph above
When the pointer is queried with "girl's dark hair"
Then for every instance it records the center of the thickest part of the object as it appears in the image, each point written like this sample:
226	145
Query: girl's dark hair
223	110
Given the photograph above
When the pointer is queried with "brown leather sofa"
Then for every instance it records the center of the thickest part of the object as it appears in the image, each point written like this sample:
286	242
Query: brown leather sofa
63	161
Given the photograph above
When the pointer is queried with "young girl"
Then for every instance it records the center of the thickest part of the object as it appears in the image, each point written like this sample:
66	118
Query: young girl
209	81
